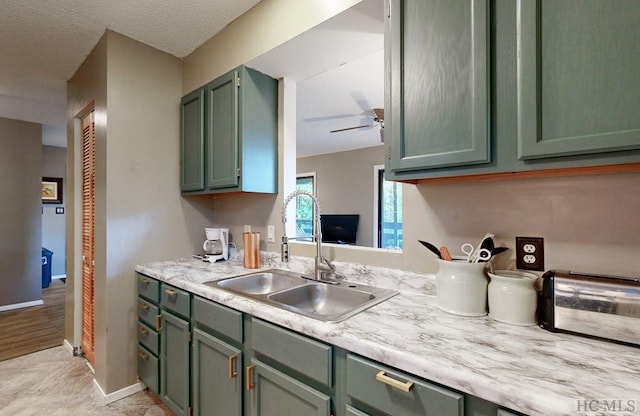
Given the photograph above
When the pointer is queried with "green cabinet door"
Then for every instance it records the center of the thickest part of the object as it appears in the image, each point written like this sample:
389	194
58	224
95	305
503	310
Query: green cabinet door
174	363
222	131
216	377
275	394
192	141
437	89
578	77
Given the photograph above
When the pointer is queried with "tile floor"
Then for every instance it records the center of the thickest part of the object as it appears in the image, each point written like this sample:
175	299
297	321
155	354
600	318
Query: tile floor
54	383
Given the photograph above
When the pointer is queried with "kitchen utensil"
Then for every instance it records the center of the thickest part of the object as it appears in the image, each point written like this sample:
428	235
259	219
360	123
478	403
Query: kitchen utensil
498	250
431	248
512	297
445	253
474	254
488	244
480	255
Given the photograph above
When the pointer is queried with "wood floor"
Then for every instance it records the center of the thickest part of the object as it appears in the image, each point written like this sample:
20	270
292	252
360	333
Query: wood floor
23	331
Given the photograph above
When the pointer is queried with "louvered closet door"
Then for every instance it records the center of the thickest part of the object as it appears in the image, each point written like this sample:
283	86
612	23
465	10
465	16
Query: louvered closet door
88	230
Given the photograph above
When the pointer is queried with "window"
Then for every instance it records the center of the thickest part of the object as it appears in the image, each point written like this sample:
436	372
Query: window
389	212
305	211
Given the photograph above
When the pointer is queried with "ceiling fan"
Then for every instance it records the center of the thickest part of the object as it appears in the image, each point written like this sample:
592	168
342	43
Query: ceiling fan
378	117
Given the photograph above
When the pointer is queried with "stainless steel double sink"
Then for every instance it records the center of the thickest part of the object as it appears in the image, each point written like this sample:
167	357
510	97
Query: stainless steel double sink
328	302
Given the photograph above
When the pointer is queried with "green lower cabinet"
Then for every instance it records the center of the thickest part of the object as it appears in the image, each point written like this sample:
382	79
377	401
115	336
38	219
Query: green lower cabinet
350	411
273	393
380	390
148	368
174	363
216	377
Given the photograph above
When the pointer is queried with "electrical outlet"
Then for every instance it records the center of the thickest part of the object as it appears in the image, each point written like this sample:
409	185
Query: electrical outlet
247	228
530	253
271	234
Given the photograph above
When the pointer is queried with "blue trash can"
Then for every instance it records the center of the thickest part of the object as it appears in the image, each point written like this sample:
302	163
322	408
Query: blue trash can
46	267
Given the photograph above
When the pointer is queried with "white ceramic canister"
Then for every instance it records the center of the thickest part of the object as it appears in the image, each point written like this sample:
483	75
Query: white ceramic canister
462	287
512	297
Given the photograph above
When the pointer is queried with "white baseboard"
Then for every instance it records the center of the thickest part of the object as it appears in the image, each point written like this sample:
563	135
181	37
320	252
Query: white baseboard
117	395
20	305
68	346
59	276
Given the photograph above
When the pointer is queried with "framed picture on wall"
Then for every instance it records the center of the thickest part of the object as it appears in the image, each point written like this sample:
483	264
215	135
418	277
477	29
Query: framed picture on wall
51	190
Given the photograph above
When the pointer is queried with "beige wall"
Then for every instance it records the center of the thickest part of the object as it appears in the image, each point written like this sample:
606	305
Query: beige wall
20	212
87	89
140	215
344	185
267	25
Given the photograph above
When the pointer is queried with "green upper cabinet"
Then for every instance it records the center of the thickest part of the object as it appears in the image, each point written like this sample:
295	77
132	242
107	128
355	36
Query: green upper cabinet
437	85
528	87
192	142
578	77
222	131
238	126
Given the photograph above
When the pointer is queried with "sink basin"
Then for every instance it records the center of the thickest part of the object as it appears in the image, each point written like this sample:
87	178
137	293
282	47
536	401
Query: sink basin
261	283
322	299
319	300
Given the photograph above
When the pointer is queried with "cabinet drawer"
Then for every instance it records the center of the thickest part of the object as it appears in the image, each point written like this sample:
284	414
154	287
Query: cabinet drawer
148	288
350	411
147	312
148	337
422	397
148	368
175	300
218	318
309	357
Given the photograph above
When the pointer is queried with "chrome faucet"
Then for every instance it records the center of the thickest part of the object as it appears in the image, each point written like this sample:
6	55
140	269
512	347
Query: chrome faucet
322	265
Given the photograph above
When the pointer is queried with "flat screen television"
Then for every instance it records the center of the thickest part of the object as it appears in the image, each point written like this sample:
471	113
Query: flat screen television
339	228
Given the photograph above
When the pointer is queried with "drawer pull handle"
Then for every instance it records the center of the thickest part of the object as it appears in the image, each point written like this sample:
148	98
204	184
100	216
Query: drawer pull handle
143	331
158	323
143	355
232	366
170	292
383	378
249	380
144	281
144	306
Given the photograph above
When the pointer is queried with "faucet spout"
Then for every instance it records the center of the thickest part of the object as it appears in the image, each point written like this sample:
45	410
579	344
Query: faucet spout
320	262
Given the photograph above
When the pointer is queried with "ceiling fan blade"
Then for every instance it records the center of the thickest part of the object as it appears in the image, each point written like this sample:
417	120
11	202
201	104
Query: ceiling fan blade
350	128
333	117
361	100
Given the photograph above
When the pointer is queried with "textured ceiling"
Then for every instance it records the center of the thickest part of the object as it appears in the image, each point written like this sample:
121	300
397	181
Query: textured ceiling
43	42
338	64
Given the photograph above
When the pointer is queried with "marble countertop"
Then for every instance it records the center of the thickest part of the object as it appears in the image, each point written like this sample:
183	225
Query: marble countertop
523	368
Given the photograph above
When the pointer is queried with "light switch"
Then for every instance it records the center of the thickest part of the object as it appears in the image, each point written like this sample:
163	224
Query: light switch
271	234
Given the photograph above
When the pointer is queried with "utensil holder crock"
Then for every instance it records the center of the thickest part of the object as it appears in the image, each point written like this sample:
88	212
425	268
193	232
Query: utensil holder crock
462	287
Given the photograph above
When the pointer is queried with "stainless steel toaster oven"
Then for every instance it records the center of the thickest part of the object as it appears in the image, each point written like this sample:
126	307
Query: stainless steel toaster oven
594	305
